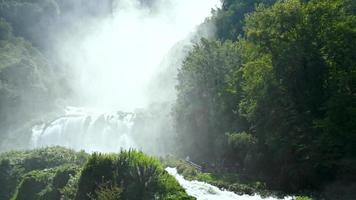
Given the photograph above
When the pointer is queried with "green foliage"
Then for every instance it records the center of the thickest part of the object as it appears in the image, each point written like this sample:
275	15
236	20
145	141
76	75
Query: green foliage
108	192
303	198
239	146
49	169
285	88
98	170
28	85
170	189
61	180
44	158
7	181
241	141
139	174
208	89
182	167
230	19
128	175
70	189
44	184
38	21
234	182
299	86
33	185
32	79
59	173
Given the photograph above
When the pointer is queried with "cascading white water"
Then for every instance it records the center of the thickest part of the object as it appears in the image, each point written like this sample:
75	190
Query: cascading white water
113	61
204	191
81	129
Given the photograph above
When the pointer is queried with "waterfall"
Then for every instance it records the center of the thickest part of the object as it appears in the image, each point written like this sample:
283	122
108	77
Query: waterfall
82	129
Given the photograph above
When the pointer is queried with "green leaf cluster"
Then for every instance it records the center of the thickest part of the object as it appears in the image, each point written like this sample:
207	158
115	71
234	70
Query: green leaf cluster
59	173
284	87
131	174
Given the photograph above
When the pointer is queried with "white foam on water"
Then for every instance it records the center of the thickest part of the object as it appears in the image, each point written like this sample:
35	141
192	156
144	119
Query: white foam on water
205	191
82	129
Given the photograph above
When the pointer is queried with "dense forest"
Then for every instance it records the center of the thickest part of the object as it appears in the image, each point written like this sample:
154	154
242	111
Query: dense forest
270	95
274	94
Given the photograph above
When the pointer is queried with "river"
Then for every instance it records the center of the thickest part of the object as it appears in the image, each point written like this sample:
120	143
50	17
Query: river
205	191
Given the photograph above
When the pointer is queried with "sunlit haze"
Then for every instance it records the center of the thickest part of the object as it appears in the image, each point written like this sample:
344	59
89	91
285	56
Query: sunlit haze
118	56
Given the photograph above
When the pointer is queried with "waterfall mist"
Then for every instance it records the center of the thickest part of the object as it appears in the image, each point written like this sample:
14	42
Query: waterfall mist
115	58
123	69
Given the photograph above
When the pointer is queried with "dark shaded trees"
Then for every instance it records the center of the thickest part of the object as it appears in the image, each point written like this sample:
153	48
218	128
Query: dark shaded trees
288	82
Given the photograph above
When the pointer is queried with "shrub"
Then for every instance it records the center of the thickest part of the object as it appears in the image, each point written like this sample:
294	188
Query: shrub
69	191
7	182
170	189
99	169
17	165
44	158
303	198
131	175
107	191
58	173
33	185
60	180
139	174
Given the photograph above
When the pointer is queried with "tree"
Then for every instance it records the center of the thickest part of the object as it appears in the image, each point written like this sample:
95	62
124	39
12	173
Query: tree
208	90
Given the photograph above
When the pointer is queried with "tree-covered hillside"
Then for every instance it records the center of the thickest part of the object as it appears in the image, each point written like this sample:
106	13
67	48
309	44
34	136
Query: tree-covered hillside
274	95
33	81
28	85
42	22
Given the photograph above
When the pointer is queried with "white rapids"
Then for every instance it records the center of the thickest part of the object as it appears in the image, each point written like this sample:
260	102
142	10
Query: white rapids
205	191
81	129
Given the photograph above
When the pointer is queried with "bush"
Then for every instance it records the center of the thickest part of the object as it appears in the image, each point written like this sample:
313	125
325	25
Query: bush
15	166
99	169
33	185
60	180
7	180
170	189
303	198
130	175
44	158
139	174
107	191
58	173
70	189
183	167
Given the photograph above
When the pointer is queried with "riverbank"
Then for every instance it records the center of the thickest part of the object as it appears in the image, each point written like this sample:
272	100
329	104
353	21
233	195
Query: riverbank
237	183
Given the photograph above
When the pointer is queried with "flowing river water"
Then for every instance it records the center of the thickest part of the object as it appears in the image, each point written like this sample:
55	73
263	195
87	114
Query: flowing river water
205	191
